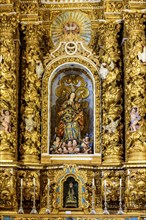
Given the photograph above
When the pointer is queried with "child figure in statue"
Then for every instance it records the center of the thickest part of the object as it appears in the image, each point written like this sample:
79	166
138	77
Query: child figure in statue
135	117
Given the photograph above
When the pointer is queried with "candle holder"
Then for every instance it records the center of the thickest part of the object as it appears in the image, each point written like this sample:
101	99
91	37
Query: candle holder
93	200
48	201
120	212
105	211
34	211
21	211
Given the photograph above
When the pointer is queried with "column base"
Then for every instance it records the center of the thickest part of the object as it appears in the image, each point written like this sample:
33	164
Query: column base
7	156
112	159
27	159
136	157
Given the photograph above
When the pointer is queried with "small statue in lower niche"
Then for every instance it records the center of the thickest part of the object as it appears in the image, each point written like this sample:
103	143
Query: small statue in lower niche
71	200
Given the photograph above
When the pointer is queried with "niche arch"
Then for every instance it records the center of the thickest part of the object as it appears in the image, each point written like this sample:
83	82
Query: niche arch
61	192
51	68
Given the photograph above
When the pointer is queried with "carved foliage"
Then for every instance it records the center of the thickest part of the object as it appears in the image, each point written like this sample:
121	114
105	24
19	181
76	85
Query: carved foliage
134	80
113	187
28	8
8	188
8	82
111	90
136	191
114	6
31	81
27	176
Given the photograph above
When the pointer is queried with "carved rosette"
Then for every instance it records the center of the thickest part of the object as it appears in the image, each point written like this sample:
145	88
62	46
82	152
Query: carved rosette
8	88
31	93
112	130
8	196
134	86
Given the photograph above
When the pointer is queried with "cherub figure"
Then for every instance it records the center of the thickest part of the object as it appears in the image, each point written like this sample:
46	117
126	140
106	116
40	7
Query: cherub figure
86	145
70	147
64	148
135	117
30	124
75	147
5	119
112	126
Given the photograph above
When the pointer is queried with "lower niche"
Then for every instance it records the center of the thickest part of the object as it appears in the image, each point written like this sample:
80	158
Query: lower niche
70	191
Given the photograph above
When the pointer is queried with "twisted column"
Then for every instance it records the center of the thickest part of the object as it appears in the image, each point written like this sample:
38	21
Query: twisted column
8	88
134	62
31	94
111	79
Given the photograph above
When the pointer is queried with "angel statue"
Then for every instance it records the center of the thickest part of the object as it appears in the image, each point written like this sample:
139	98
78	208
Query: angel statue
71	119
5	119
135	117
30	124
112	126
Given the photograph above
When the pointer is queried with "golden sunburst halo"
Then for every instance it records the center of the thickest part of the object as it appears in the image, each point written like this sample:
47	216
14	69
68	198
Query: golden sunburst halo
71	22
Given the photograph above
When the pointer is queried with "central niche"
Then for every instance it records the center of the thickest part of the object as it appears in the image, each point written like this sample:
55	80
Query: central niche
72	119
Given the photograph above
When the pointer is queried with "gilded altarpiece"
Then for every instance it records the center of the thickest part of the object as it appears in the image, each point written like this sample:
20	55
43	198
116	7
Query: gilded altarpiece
72	109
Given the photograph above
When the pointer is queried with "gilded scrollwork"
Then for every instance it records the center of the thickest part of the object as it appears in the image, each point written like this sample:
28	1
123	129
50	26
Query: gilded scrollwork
28	184
8	189
48	174
57	177
29	7
134	85
8	103
98	190
114	6
27	82
31	93
135	192
112	178
110	73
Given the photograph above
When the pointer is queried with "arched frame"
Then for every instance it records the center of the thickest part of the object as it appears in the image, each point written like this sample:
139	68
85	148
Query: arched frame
80	176
51	67
79	189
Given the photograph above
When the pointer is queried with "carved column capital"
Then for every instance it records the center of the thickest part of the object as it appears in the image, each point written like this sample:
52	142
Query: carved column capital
8	24
32	31
133	22
109	26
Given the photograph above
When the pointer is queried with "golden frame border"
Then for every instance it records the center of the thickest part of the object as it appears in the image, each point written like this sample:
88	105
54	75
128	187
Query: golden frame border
87	64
